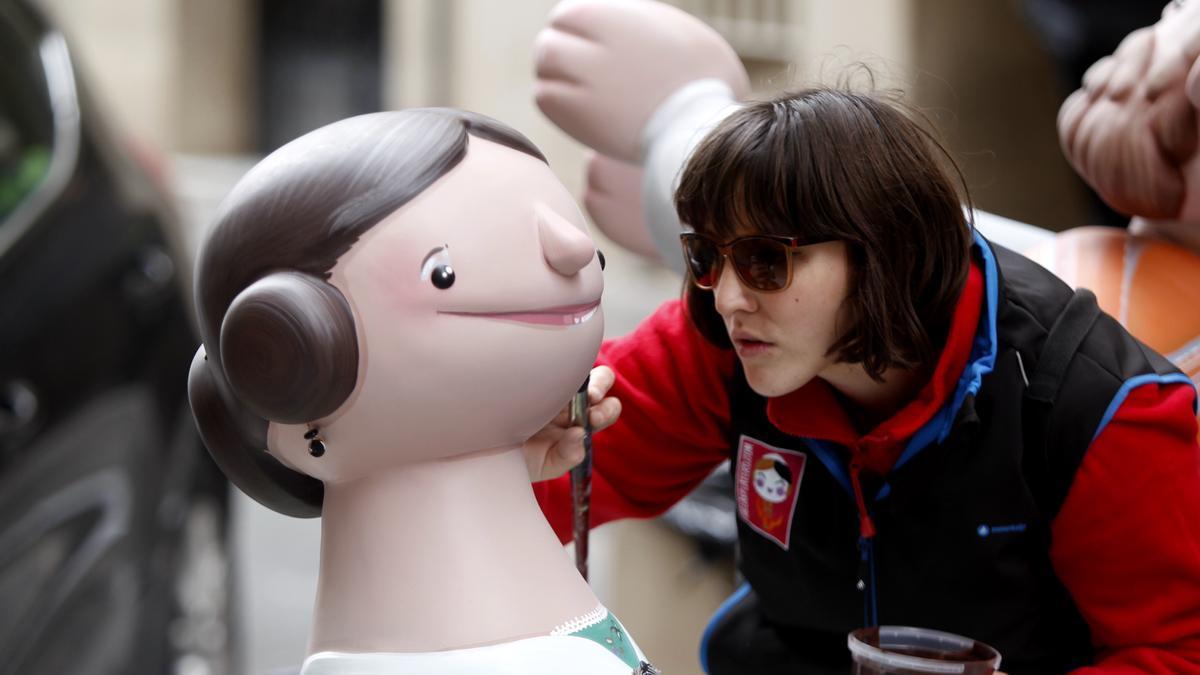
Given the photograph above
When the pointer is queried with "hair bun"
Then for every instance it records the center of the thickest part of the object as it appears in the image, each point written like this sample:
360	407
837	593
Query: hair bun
225	433
289	348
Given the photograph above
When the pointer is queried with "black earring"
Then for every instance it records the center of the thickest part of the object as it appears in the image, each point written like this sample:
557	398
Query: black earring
316	445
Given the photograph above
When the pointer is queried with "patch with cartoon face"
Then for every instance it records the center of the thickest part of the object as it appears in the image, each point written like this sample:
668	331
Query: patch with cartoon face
768	481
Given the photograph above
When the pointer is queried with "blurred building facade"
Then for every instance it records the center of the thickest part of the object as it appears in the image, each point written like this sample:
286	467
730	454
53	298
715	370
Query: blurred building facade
218	76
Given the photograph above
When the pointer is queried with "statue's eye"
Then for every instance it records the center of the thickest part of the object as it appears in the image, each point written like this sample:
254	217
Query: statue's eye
437	268
443	276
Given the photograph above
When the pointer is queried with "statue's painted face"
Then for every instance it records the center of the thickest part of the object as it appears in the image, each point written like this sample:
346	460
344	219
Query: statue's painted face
477	306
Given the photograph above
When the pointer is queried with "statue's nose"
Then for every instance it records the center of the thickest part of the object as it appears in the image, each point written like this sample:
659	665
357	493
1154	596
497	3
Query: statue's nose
564	246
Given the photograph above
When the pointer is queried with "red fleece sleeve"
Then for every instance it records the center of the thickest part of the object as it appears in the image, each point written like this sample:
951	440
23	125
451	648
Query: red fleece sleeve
673	428
1127	541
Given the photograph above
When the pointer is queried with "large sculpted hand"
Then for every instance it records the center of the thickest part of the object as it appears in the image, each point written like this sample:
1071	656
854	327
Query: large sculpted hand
1132	130
613	198
604	66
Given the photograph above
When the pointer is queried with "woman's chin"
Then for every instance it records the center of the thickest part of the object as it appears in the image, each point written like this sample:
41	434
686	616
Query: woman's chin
770	385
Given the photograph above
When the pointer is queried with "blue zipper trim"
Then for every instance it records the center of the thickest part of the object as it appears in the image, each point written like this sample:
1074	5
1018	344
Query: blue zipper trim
1134	382
828	455
981	362
732	600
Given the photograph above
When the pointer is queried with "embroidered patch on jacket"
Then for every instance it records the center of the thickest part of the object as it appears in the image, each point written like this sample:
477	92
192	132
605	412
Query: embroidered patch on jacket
768	482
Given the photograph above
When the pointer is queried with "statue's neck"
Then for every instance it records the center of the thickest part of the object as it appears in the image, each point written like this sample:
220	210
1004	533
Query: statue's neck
441	555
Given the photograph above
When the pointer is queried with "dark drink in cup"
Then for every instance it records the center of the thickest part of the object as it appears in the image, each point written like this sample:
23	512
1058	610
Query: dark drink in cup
904	650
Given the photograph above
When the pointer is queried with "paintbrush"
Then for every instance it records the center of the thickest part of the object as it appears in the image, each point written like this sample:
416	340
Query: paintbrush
581	480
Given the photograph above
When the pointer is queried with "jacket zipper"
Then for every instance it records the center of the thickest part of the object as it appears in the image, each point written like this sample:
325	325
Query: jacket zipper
866	581
866	544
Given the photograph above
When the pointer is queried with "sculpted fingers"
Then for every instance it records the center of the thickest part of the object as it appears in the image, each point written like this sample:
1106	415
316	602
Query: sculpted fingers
1134	128
626	57
1094	146
613	197
1174	123
562	63
580	78
1193	84
1069	116
588	19
562	101
1177	46
1168	70
1131	61
1118	148
613	178
1190	32
1096	79
567	56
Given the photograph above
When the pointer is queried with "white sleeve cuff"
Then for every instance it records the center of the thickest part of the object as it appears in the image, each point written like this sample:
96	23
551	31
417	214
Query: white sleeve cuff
674	130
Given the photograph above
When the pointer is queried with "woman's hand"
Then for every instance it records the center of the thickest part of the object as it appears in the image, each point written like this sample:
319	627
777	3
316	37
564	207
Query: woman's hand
558	447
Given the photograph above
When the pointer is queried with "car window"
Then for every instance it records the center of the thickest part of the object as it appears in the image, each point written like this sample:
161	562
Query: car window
26	119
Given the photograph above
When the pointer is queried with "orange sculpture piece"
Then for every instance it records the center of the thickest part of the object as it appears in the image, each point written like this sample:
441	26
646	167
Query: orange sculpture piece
1151	286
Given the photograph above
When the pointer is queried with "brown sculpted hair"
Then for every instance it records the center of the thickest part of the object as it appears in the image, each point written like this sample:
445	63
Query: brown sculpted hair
853	167
279	341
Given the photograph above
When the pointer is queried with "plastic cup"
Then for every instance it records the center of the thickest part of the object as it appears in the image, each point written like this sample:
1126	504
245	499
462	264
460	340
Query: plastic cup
899	650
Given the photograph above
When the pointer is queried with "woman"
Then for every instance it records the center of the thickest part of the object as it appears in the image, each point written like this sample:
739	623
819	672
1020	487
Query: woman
974	448
344	296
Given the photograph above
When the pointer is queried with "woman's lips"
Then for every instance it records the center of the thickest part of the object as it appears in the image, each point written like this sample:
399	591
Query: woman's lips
567	315
747	346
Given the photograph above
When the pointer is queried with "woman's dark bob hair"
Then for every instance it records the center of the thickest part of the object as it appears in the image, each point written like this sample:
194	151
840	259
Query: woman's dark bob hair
279	340
852	167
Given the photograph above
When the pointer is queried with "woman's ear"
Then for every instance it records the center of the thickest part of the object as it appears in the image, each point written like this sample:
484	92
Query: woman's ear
289	347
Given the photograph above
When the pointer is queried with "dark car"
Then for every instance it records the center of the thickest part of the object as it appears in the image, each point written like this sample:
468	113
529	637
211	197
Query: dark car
112	517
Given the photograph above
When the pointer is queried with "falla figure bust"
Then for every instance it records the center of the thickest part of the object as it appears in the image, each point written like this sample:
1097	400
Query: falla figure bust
390	306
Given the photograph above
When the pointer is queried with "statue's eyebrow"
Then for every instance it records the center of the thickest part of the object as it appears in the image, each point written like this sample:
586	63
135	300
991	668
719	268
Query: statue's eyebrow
435	251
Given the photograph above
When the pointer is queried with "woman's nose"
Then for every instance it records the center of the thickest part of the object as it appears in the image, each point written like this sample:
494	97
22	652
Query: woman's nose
564	246
729	295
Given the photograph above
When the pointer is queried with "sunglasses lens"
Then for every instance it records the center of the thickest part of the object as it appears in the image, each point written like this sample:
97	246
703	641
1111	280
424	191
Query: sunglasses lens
702	256
761	263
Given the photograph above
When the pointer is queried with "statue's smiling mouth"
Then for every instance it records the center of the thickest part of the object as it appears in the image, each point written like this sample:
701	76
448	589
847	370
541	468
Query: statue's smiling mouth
566	315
